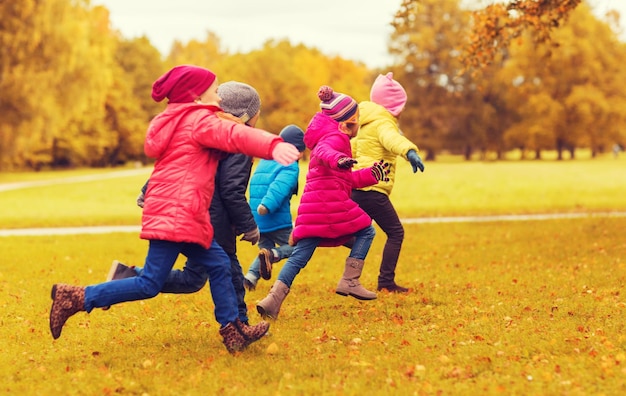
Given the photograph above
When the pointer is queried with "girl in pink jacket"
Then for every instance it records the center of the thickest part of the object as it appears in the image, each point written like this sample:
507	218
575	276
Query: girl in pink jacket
186	139
326	215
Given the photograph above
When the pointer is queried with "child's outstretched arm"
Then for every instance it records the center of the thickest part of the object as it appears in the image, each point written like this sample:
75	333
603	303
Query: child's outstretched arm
225	135
285	153
369	176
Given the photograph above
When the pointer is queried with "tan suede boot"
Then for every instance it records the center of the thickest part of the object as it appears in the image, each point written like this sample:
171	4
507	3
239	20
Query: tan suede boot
349	284
270	305
66	301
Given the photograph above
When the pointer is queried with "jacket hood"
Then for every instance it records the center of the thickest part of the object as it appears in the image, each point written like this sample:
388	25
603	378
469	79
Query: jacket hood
370	111
319	126
162	126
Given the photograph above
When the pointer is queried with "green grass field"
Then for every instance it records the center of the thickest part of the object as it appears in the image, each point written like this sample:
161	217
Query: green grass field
508	307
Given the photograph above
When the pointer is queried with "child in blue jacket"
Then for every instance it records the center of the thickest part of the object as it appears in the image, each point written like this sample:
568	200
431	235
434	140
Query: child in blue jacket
271	187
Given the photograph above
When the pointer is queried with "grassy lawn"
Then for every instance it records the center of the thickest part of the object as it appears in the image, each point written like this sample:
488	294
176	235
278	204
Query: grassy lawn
527	308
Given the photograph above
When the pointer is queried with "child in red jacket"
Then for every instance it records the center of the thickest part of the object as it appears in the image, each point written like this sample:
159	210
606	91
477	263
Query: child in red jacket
185	139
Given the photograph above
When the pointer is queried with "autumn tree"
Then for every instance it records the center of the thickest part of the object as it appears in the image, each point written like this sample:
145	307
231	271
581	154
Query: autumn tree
445	109
54	76
496	26
565	91
205	53
129	104
288	76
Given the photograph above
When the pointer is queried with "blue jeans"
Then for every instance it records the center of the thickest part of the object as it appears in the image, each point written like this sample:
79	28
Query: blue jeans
277	240
159	262
194	275
304	249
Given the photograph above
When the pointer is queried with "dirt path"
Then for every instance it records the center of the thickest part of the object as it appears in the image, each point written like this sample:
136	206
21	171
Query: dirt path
425	220
73	179
136	228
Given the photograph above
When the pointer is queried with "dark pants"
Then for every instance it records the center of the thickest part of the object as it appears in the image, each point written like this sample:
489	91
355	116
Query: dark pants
378	206
237	274
193	277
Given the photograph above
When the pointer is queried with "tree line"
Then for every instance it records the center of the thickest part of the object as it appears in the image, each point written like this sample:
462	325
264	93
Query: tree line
75	92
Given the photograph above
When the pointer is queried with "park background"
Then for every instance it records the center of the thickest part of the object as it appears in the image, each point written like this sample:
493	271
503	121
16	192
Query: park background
501	304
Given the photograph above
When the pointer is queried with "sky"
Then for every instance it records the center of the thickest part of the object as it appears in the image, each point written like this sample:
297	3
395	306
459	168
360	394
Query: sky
353	29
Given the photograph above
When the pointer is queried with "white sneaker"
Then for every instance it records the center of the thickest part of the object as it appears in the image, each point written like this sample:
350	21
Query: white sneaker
249	281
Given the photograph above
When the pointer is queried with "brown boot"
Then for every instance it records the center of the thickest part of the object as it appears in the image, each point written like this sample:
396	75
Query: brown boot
238	335
266	259
66	301
270	305
119	271
393	288
349	284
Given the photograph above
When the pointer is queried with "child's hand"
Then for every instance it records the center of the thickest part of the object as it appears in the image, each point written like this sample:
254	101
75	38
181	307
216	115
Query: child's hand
380	170
140	200
285	153
252	236
346	162
415	160
262	210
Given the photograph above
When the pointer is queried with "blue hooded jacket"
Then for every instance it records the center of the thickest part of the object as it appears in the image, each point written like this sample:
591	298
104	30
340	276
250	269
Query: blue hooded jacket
272	185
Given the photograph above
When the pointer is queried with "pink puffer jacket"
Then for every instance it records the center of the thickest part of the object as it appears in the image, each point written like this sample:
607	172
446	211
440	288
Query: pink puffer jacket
188	140
326	210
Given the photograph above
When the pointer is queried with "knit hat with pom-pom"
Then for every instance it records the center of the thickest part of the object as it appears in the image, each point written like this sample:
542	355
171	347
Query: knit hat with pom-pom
337	106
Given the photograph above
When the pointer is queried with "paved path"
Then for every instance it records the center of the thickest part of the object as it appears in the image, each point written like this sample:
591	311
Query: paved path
74	179
136	228
457	219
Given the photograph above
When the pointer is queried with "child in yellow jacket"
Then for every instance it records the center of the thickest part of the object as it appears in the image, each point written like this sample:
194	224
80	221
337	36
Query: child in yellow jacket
380	138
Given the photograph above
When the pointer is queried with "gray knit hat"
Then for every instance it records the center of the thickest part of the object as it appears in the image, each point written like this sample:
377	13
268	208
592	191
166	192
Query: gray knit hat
239	99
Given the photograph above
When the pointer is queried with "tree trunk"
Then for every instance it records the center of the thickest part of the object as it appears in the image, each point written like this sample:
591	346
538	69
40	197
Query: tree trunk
468	152
430	155
559	149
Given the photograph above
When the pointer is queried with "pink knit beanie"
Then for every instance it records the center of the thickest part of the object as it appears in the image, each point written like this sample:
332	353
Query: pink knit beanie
182	84
388	93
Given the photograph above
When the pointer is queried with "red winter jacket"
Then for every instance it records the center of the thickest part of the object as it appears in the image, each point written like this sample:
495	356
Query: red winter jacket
326	210
188	140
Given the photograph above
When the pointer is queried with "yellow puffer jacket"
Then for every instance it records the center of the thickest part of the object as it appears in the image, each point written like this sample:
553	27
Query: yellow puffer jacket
379	138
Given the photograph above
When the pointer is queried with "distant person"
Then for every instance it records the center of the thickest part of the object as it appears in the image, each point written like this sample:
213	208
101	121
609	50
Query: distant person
326	214
230	212
271	187
380	137
186	140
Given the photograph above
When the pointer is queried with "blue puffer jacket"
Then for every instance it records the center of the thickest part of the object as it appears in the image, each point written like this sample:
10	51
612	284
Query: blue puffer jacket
272	185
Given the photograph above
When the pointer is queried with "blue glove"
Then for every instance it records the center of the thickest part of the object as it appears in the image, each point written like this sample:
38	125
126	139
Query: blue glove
415	160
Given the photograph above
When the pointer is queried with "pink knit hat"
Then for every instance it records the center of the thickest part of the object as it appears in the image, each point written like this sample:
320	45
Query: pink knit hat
336	105
388	93
182	84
